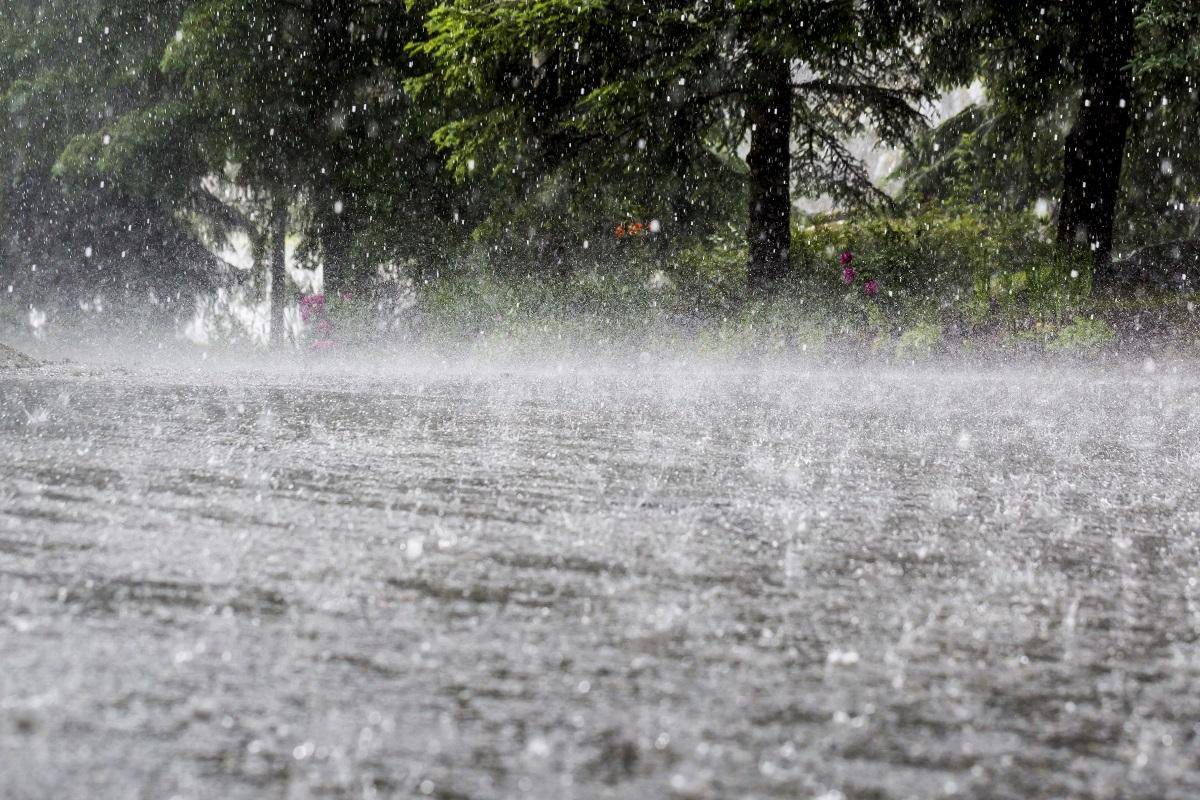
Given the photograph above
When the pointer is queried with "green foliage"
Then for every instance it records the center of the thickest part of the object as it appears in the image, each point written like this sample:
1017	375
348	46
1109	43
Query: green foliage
67	68
227	104
927	258
985	157
922	339
498	144
1007	154
943	279
713	270
308	100
1083	335
1171	31
638	105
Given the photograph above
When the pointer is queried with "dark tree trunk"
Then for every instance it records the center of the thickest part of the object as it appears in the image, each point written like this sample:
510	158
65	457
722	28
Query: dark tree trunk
769	232
334	49
279	220
336	238
1095	146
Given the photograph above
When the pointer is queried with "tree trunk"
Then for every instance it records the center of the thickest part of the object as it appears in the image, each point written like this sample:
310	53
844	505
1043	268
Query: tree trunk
336	238
279	220
334	49
769	231
1095	146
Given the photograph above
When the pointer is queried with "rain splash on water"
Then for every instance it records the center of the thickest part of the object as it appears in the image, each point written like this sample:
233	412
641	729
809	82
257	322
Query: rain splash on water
575	579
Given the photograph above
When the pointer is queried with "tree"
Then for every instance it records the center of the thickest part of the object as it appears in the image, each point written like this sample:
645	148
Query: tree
68	69
295	109
307	97
1162	174
279	228
1095	146
625	87
1114	75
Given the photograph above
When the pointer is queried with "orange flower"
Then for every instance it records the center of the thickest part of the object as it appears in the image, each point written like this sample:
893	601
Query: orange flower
620	231
636	228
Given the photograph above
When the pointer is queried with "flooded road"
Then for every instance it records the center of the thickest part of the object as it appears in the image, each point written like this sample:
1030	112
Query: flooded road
683	582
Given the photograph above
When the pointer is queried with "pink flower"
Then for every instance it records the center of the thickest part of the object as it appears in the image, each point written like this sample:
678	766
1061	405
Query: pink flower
322	344
845	258
848	275
871	287
312	305
324	327
346	295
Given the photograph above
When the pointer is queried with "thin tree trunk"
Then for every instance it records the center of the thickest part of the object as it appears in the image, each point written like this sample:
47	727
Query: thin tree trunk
335	247
279	220
1095	146
769	230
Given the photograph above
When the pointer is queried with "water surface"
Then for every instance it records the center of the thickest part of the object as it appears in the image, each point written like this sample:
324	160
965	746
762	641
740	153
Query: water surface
690	582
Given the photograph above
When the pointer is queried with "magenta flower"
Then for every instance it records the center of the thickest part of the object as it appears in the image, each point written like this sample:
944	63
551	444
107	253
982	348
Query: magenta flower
845	258
324	327
346	295
848	275
871	287
312	305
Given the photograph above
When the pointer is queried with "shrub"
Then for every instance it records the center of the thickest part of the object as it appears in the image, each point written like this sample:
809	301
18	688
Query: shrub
956	266
1085	334
921	339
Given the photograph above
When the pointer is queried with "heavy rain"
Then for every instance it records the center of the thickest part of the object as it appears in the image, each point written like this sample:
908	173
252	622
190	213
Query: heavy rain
546	399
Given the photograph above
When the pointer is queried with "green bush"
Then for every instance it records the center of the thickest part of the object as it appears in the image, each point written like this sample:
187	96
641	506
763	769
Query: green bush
959	266
1085	334
955	276
922	339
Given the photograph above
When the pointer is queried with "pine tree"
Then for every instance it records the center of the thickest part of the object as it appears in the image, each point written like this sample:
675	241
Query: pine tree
68	68
1091	103
626	87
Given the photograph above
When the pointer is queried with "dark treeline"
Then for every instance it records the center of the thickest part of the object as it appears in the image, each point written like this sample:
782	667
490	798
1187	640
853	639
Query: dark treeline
139	134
